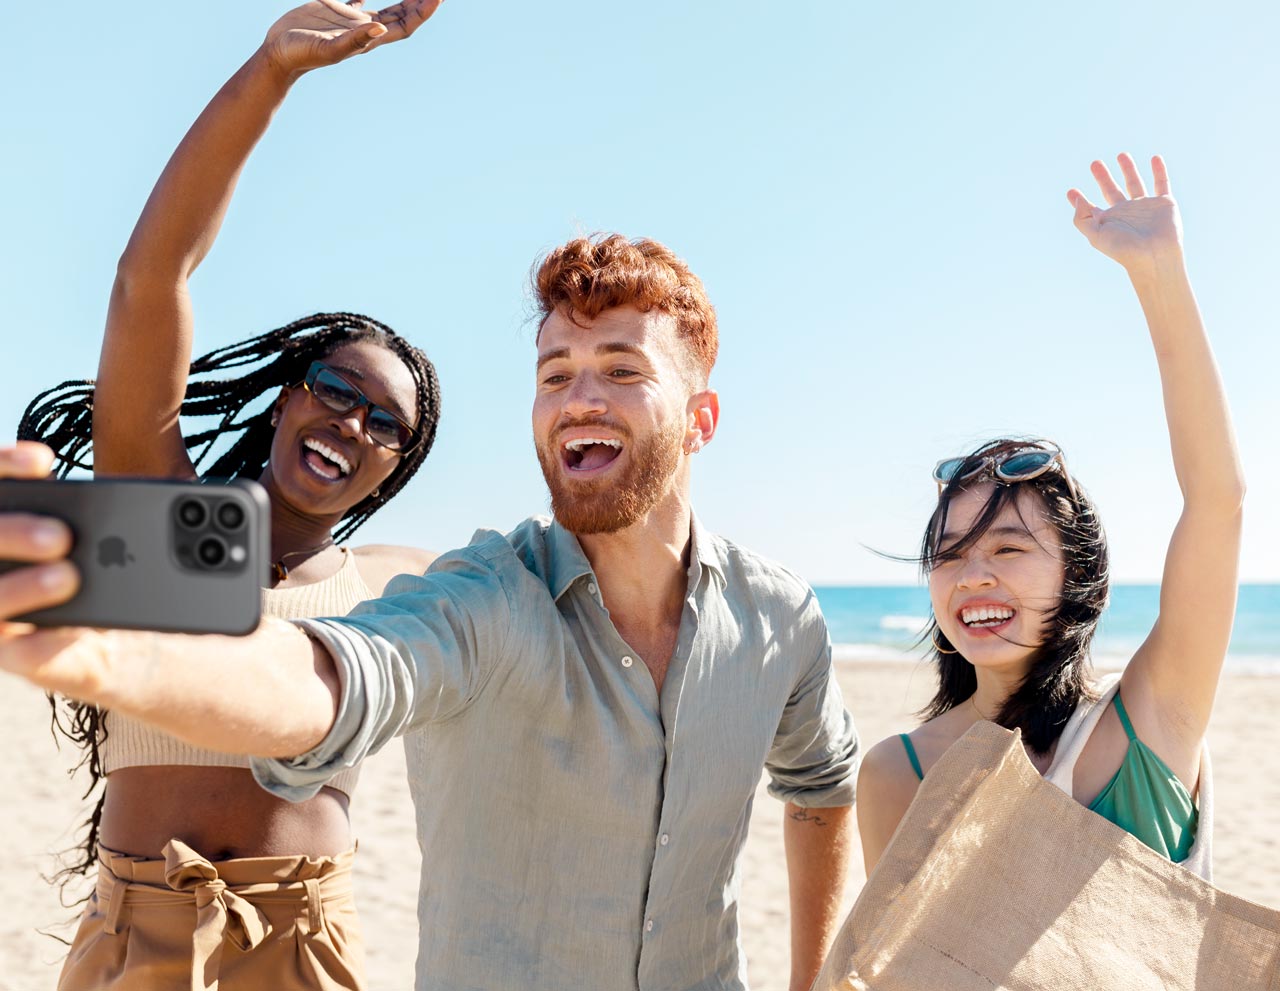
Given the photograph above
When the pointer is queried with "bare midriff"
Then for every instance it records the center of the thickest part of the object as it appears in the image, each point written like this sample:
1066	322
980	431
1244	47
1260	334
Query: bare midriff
220	812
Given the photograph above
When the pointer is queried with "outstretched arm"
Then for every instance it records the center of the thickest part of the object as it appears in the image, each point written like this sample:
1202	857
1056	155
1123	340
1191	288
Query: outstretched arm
279	708
1170	684
142	372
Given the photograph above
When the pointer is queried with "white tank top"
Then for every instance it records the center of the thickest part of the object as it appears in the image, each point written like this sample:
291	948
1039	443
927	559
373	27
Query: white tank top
129	743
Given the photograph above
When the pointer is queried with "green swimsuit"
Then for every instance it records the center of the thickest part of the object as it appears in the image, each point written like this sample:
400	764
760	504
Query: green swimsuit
1144	798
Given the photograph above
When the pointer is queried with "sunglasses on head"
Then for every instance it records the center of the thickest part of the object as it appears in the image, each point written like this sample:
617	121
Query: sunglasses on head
1017	464
334	392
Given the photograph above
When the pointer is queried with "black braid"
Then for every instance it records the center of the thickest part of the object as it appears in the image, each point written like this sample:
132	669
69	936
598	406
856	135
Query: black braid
62	417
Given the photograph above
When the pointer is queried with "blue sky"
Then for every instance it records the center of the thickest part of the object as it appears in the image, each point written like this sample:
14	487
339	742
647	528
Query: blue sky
873	194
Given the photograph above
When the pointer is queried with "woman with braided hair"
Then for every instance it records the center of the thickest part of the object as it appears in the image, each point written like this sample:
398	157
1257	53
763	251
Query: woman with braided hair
332	415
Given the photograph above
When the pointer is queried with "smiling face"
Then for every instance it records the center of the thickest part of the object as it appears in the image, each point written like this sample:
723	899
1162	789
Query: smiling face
323	463
993	598
613	410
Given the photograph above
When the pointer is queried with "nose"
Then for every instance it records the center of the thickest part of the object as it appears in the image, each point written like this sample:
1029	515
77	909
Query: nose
351	423
975	573
584	397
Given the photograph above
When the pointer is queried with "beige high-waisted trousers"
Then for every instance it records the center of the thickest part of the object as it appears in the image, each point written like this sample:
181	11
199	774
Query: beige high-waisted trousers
249	924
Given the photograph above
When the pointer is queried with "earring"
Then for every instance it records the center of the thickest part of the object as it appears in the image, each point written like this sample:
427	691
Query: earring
375	493
275	419
938	647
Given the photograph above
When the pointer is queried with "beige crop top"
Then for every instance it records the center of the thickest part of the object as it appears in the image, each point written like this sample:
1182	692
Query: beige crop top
129	743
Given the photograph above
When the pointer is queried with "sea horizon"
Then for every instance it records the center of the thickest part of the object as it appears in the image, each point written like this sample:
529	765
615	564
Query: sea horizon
884	623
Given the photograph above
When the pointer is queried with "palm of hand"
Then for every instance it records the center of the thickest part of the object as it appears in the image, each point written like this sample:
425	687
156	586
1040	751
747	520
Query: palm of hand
1134	225
303	38
1141	225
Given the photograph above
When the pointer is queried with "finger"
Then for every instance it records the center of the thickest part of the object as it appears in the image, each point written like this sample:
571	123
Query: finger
1161	176
405	18
1085	218
348	12
25	459
1110	191
356	40
39	587
26	537
1132	179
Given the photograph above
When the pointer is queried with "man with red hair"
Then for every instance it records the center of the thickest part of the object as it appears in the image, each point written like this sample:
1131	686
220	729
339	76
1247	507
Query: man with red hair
592	698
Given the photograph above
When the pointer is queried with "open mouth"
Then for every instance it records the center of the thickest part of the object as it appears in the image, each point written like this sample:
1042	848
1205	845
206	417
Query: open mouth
986	617
324	461
587	454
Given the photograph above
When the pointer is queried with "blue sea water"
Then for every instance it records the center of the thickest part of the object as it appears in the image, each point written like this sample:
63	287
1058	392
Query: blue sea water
871	621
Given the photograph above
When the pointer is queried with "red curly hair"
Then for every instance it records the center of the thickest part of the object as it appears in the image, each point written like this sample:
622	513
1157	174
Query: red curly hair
592	274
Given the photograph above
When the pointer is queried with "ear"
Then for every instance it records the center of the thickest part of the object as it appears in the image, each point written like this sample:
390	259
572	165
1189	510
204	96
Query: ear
277	408
703	417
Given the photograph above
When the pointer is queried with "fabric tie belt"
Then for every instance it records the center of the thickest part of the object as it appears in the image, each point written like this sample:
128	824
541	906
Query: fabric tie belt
223	911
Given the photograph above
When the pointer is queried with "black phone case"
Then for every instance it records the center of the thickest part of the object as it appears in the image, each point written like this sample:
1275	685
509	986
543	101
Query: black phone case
136	570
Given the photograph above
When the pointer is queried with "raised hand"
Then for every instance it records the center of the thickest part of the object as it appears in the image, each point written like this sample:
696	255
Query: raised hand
325	32
43	656
1134	228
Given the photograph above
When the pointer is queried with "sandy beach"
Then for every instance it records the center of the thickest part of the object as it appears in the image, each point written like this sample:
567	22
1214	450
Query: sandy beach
42	808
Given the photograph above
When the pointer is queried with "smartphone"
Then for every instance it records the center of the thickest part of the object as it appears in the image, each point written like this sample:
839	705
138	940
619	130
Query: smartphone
182	557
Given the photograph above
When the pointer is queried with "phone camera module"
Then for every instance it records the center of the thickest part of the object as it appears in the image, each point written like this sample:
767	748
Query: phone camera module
230	516
211	552
192	513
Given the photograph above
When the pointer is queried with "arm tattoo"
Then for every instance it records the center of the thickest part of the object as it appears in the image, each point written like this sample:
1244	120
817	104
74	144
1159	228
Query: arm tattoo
802	815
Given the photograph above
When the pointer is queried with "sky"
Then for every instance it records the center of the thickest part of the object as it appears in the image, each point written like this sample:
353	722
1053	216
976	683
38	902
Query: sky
873	194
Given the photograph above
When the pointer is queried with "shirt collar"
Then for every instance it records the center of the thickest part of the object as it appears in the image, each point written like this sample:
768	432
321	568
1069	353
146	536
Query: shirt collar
565	559
567	562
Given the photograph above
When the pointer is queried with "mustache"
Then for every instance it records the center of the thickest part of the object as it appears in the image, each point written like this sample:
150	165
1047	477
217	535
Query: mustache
589	421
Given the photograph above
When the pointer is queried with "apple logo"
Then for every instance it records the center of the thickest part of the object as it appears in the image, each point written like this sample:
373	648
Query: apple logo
112	550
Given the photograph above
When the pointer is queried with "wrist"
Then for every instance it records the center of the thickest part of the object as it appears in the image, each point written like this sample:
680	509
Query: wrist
263	66
1157	268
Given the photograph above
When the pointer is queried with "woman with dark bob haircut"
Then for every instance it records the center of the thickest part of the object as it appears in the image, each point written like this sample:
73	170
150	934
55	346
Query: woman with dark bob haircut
1016	560
203	878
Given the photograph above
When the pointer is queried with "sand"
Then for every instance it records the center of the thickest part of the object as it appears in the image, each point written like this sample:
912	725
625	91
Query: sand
42	806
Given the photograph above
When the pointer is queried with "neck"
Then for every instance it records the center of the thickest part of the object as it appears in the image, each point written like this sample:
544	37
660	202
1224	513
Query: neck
642	571
292	531
994	688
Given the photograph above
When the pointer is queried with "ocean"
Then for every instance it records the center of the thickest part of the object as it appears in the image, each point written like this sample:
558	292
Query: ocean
877	622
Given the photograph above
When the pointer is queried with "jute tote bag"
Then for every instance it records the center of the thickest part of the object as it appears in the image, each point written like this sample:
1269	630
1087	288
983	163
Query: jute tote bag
996	879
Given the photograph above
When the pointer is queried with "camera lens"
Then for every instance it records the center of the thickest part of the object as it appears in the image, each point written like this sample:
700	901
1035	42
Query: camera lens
191	513
211	551
230	516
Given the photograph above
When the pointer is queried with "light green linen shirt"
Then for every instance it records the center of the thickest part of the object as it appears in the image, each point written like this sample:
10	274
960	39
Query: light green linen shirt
579	830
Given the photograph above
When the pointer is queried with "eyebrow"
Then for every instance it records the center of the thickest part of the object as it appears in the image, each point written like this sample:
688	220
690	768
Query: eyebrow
393	406
1000	531
608	347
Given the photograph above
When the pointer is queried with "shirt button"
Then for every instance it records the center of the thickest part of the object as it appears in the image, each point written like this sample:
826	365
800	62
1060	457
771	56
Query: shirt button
591	587
665	839
626	662
648	926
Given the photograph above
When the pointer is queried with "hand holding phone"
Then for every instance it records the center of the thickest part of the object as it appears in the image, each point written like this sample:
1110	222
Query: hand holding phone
169	556
40	544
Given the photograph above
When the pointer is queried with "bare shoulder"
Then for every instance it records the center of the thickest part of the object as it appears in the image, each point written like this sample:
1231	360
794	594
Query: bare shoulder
886	785
379	563
886	774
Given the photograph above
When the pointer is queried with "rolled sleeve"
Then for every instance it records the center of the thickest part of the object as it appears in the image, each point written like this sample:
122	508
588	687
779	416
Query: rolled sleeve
813	762
420	654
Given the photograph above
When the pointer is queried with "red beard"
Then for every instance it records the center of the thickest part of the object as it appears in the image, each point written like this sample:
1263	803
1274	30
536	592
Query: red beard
612	504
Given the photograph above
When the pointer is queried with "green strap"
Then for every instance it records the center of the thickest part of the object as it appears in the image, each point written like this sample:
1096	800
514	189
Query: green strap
1124	719
911	753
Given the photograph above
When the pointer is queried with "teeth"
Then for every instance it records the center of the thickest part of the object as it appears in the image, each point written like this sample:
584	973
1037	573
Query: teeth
325	451
986	614
581	442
